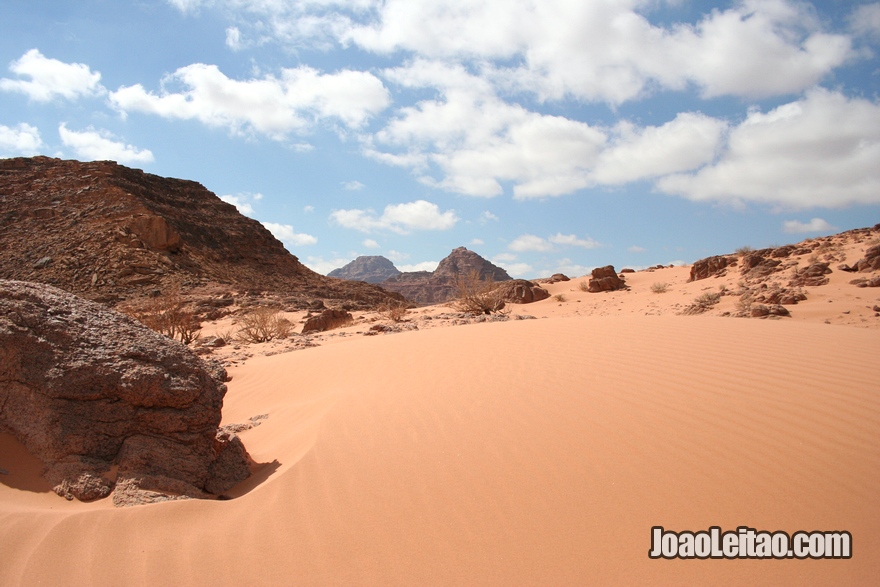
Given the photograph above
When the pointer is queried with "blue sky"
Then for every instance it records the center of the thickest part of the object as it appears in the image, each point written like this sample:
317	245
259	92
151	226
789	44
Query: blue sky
547	136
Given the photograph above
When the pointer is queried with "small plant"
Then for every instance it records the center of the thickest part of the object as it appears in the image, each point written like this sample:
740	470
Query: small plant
475	295
262	325
743	251
584	286
660	287
744	304
559	297
169	315
394	310
702	303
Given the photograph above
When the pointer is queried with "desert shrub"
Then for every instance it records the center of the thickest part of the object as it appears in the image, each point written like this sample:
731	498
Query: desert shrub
475	295
168	314
660	287
262	325
702	303
744	250
584	286
744	303
394	310
559	297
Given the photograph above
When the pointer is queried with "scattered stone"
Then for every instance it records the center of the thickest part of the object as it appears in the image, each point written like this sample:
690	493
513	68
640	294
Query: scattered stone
813	275
557	277
762	311
627	270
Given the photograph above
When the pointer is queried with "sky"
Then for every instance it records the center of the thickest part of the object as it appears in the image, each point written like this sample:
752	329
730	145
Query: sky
546	135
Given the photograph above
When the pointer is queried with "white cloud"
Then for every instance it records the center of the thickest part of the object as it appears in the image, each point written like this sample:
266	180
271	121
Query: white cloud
243	202
324	266
22	139
286	234
487	217
636	249
573	241
821	150
529	242
50	78
504	258
865	20
396	255
399	218
272	106
519	269
687	142
99	145
308	209
352	186
423	266
570	268
814	225
477	242
233	39
370	244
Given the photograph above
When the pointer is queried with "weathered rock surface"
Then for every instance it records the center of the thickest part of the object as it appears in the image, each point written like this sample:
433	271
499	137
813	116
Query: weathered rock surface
762	311
520	291
436	287
108	232
813	275
84	388
557	277
871	262
369	268
327	320
711	267
605	279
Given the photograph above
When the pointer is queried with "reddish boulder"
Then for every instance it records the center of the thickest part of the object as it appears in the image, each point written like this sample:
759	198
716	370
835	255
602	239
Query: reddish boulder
327	320
711	267
813	275
520	291
85	388
605	279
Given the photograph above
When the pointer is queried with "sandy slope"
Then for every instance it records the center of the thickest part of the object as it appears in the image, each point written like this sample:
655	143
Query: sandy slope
534	452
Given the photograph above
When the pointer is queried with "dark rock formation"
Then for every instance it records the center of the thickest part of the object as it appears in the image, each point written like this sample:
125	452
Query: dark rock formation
871	262
711	267
84	388
327	320
557	277
520	291
759	265
605	279
372	269
813	275
108	232
762	311
436	287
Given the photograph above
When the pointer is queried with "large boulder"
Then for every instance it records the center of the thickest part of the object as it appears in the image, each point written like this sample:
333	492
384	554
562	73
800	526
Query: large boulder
812	275
85	388
711	267
520	291
327	320
605	279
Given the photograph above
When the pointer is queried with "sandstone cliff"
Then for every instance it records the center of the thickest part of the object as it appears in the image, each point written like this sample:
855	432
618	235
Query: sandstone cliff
369	268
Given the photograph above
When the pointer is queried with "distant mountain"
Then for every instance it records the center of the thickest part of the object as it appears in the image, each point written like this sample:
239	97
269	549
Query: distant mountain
423	287
369	268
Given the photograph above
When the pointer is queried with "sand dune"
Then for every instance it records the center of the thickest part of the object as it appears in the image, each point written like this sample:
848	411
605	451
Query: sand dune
533	452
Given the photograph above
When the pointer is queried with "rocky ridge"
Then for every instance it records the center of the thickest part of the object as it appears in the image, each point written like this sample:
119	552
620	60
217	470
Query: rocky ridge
369	268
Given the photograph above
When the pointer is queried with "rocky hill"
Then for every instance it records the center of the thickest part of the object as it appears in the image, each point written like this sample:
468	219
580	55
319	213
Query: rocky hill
423	287
108	232
369	268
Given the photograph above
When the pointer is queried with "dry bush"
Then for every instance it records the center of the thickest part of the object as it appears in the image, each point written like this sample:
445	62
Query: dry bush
702	303
744	250
584	286
660	287
394	310
262	325
475	295
559	297
168	314
744	303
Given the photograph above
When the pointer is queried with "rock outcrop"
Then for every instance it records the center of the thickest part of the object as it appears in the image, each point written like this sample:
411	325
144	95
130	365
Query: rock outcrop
436	287
605	279
327	320
86	388
520	291
107	232
711	267
813	275
369	268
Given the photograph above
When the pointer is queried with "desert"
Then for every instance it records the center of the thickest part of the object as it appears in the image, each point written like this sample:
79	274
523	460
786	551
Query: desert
533	443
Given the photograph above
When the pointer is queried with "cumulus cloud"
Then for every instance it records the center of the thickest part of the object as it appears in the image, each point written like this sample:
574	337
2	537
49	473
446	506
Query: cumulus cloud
519	269
423	266
477	242
865	20
574	241
352	186
814	225
636	249
370	244
530	242
324	266
48	79
399	218
286	234
243	202
22	139
821	150
486	217
99	145
272	106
